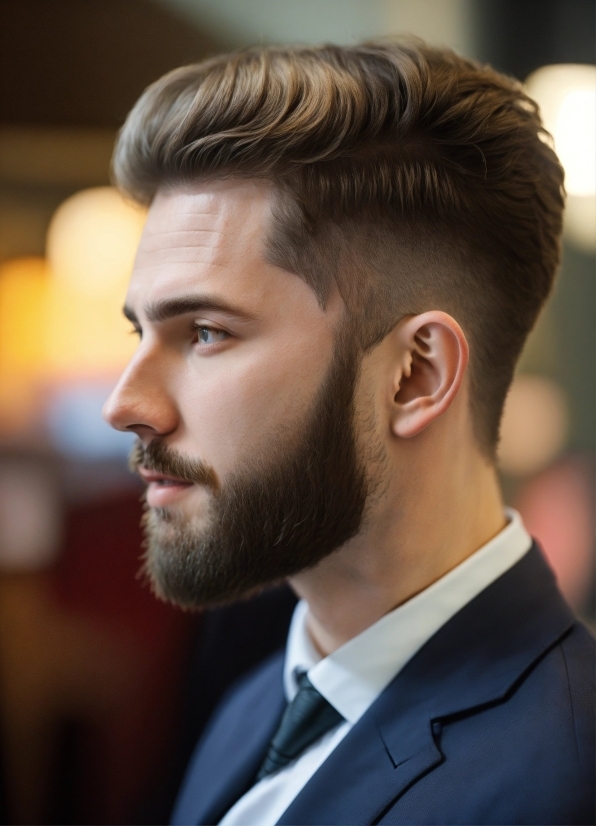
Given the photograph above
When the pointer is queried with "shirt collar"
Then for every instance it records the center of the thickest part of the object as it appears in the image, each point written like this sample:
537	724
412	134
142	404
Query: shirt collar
353	676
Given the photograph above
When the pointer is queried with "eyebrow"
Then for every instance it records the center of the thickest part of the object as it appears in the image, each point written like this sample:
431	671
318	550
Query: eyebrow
172	307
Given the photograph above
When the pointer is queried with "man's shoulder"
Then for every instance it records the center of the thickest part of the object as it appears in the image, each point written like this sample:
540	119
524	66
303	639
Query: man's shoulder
578	651
549	712
490	722
562	690
528	757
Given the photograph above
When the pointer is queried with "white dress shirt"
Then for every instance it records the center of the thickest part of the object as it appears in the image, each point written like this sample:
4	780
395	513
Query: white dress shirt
353	676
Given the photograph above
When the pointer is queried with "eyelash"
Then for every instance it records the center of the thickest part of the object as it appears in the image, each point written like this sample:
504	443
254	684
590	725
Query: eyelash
198	327
195	327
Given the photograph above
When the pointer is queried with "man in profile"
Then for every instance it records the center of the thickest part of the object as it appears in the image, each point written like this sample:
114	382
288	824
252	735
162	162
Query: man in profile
345	251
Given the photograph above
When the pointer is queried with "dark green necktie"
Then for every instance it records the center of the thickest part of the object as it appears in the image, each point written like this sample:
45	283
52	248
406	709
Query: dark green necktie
307	718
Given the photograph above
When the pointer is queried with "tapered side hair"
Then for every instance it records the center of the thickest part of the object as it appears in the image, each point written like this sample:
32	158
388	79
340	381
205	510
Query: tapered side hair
408	176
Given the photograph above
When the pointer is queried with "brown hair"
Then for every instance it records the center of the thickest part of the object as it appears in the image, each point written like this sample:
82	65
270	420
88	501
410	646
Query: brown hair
411	177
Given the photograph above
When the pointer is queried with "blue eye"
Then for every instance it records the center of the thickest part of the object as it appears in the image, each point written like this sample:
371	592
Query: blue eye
209	335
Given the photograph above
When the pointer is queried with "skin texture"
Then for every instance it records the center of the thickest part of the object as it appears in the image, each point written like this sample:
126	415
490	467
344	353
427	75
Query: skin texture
279	514
435	496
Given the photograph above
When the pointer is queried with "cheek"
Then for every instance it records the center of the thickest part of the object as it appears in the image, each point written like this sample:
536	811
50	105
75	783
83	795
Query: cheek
234	404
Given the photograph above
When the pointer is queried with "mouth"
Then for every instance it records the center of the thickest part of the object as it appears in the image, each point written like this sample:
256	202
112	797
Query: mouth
162	489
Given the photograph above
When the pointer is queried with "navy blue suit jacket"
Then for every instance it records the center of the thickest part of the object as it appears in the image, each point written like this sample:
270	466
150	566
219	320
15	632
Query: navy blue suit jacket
491	722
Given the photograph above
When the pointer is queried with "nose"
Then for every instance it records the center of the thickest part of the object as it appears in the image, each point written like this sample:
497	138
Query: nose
141	401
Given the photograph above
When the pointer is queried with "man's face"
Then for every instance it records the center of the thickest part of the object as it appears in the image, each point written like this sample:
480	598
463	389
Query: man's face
241	398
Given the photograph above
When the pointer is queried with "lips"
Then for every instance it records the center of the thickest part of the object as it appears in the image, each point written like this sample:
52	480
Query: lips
162	489
150	476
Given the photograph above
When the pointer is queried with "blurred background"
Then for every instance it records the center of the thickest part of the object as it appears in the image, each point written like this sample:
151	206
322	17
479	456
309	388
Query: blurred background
102	689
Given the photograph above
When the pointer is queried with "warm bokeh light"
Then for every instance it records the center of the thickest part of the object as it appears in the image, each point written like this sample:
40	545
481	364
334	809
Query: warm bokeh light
24	284
535	425
85	334
91	244
575	138
92	240
60	319
24	287
566	94
51	331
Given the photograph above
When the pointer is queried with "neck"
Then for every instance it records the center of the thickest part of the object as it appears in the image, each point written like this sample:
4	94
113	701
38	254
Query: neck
418	532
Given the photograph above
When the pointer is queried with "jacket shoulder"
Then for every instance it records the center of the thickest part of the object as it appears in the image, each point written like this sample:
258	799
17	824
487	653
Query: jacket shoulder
526	758
578	652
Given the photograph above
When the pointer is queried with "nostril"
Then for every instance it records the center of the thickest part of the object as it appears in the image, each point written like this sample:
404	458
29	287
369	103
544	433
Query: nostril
116	415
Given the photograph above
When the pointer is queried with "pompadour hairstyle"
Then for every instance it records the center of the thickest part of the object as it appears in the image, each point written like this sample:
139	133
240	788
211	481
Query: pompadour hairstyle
410	177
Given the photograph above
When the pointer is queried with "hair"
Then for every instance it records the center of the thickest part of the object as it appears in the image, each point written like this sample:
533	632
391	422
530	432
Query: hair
408	176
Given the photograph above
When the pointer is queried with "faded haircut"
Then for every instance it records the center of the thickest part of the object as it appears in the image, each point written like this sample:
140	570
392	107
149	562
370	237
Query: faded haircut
408	176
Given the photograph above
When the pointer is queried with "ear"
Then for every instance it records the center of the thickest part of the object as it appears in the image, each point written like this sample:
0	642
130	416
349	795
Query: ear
433	358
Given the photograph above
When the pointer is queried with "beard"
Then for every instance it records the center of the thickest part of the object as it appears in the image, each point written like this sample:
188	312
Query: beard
277	515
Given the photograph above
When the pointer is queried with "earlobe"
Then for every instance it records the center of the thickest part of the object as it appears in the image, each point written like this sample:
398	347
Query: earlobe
432	366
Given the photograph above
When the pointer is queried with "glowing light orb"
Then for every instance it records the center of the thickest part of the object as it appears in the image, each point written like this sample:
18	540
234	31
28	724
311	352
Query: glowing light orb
566	94
92	240
24	285
534	427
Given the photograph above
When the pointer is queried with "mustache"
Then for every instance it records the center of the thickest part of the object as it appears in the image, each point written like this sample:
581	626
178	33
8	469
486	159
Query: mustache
160	458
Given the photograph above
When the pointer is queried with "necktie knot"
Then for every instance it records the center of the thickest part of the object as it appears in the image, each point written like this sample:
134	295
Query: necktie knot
306	718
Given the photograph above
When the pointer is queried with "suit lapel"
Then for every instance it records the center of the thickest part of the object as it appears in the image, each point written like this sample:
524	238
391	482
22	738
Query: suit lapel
228	758
475	659
361	777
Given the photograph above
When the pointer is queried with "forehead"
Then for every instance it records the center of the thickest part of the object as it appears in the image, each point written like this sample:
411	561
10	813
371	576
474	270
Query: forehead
205	238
